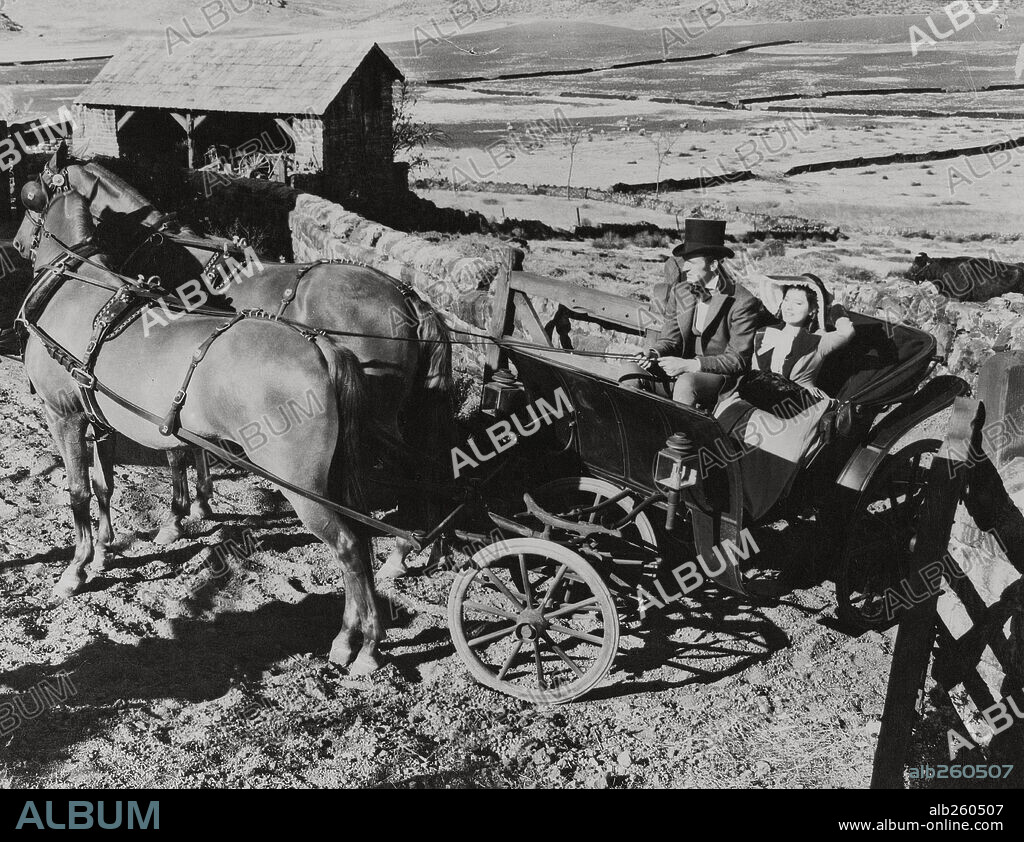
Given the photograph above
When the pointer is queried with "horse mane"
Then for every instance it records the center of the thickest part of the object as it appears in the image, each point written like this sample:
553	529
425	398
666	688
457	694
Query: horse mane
80	222
117	185
114	182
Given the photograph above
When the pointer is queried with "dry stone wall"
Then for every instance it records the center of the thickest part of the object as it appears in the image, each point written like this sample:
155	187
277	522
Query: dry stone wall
457	277
966	333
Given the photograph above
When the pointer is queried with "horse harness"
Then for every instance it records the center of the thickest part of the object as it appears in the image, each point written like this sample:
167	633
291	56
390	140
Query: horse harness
127	304
219	261
406	289
129	298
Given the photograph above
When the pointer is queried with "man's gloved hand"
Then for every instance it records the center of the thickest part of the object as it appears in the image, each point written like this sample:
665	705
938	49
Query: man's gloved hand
646	359
674	366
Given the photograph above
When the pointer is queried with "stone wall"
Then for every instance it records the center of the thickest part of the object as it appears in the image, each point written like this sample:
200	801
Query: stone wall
451	276
967	333
456	277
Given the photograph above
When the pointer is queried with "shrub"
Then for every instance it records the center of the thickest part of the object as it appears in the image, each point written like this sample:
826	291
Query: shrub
847	272
652	239
609	240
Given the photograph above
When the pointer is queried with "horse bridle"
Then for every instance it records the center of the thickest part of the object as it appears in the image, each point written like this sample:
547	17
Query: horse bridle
61	182
52	182
59	179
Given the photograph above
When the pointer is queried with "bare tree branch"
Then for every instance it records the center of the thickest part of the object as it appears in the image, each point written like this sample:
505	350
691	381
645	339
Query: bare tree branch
408	135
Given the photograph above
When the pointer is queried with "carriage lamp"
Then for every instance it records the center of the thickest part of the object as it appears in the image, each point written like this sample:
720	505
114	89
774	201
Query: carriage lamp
503	394
674	470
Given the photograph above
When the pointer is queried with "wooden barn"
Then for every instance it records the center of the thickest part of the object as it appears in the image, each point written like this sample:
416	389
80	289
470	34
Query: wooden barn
316	112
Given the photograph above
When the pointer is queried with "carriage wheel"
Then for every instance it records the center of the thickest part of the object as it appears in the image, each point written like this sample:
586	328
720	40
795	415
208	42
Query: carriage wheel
548	643
256	165
627	563
881	537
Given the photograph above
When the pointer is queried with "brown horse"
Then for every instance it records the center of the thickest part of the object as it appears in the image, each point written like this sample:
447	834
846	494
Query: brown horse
250	371
405	349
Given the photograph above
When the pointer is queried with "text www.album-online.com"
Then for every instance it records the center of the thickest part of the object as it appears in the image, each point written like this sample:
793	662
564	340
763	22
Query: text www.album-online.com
937	824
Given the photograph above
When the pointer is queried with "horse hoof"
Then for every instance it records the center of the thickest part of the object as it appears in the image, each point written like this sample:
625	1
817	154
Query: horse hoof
341	654
364	664
393	568
66	589
101	559
168	535
59	595
200	510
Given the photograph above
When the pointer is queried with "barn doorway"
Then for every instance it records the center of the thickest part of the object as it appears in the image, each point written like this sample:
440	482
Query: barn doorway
153	134
247	145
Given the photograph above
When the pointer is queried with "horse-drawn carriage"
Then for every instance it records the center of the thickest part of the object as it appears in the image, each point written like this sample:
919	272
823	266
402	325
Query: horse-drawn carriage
572	518
648	483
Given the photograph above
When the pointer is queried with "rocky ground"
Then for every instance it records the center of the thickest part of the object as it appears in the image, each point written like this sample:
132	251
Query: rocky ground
204	664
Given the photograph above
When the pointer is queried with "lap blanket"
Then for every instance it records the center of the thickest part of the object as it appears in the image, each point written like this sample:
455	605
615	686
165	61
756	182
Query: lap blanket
774	449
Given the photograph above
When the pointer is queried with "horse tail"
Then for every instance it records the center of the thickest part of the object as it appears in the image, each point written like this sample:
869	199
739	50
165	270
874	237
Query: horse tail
430	416
348	467
436	357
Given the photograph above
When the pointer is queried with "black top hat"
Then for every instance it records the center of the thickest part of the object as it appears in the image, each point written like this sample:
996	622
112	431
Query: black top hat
703	238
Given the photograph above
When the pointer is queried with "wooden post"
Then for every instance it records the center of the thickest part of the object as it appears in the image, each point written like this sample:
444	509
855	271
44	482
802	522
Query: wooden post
503	311
122	121
916	635
190	125
189	122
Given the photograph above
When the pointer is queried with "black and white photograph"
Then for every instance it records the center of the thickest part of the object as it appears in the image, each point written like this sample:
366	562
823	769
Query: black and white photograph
512	394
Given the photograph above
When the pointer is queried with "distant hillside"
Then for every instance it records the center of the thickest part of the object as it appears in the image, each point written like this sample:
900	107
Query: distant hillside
67	28
90	19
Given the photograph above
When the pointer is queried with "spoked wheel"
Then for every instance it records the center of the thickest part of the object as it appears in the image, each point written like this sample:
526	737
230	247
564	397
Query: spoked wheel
549	642
881	538
256	165
626	563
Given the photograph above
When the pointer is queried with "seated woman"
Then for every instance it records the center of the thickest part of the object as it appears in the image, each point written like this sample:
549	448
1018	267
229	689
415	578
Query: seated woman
781	429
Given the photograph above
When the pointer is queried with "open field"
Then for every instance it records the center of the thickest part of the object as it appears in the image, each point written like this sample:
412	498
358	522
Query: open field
978	194
796	68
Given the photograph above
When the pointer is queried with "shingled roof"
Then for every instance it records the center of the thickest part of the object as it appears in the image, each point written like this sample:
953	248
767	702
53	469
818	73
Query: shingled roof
283	75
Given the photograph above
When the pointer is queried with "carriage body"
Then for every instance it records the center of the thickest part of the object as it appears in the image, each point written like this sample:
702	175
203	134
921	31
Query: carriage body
613	435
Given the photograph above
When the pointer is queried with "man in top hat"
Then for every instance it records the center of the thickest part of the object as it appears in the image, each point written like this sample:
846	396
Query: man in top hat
710	321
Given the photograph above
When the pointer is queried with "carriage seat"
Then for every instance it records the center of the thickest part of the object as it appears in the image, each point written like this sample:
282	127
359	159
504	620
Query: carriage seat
883	363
